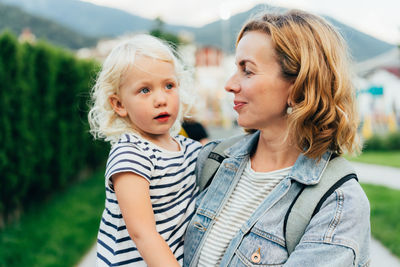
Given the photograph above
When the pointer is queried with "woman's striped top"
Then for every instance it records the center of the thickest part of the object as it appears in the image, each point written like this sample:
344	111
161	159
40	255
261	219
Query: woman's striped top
252	188
172	193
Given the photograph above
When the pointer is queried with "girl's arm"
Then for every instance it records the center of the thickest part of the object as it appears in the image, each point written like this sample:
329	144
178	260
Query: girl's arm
133	196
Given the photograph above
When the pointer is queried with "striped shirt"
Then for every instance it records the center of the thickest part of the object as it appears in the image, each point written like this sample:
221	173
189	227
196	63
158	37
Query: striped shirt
172	194
252	188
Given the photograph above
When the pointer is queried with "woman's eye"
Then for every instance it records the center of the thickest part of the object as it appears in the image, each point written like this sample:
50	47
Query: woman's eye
169	86
144	90
246	71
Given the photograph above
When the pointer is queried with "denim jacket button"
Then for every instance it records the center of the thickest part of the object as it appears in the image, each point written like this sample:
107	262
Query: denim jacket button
256	256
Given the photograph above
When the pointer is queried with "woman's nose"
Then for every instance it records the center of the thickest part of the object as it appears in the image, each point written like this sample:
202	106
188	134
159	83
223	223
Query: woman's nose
232	85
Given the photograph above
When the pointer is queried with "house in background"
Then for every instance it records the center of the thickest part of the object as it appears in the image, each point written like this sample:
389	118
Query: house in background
27	36
212	69
378	93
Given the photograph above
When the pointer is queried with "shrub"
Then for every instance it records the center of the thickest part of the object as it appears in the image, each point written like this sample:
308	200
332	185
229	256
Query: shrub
392	142
45	134
387	142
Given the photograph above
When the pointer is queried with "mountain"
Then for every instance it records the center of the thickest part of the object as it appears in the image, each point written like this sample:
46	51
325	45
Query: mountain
87	18
98	21
16	20
362	46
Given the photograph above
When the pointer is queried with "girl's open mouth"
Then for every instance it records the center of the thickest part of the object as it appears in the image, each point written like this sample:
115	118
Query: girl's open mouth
163	117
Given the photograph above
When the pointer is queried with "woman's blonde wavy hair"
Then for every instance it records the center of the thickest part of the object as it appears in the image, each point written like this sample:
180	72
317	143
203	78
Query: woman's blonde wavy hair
314	56
104	122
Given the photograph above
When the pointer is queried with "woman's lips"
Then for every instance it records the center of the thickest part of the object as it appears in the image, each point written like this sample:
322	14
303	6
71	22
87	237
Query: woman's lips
238	105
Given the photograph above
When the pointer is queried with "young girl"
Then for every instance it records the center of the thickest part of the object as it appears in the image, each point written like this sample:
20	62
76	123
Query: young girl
150	182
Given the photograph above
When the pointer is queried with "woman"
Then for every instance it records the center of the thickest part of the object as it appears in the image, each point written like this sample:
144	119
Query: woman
293	93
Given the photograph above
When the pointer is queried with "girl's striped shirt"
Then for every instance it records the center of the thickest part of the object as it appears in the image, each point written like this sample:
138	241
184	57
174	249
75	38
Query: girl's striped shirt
172	194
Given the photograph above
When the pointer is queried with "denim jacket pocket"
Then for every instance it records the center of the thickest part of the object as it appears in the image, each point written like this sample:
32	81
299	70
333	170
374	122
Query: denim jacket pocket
259	248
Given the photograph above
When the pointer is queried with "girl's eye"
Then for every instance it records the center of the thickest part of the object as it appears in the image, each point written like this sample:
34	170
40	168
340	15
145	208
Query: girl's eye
169	86
145	90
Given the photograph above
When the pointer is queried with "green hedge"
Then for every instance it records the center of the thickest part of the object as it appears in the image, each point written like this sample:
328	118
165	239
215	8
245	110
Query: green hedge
44	131
388	142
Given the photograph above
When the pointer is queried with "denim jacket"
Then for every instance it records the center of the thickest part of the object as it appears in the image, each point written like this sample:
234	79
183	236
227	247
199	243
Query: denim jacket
338	235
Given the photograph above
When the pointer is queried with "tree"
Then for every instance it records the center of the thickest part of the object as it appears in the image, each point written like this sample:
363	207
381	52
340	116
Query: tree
158	31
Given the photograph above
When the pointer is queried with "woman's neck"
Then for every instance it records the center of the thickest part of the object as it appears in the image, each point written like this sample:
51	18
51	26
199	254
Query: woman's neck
274	152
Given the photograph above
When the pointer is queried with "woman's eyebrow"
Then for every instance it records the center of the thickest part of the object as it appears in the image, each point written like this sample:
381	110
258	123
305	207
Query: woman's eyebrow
244	61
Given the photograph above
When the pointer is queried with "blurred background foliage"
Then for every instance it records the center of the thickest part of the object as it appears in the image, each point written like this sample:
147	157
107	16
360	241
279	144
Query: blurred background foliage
159	32
46	146
384	142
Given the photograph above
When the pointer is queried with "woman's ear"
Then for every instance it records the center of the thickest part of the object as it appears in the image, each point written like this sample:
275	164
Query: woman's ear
117	105
290	89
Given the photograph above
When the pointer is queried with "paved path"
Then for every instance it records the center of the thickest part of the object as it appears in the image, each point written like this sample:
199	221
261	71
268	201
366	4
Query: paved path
367	173
381	257
377	174
386	176
89	260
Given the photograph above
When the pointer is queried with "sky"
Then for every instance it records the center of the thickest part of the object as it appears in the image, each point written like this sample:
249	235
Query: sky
380	19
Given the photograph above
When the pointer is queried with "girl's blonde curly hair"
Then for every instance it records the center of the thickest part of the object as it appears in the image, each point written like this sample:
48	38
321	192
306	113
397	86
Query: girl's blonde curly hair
104	122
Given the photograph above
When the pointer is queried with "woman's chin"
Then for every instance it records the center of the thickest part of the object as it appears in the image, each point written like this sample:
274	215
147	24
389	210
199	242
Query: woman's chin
244	124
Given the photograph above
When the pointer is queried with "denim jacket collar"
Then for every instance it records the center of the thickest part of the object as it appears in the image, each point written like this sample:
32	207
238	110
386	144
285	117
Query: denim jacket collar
305	170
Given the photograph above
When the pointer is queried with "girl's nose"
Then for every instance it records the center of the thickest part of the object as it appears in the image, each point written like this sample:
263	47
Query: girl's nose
232	85
160	99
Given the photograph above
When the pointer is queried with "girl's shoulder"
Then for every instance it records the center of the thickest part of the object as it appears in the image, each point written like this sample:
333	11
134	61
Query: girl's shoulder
129	143
130	154
133	141
188	144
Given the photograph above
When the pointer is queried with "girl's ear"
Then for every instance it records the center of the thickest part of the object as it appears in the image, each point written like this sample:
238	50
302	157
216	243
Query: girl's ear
117	105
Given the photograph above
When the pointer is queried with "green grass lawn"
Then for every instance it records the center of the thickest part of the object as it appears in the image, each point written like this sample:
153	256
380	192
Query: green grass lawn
385	202
385	215
57	233
388	158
